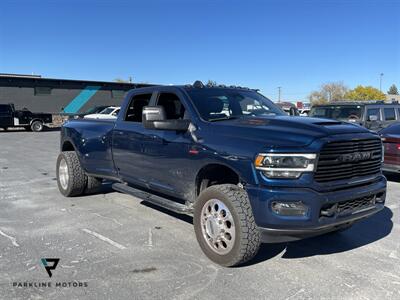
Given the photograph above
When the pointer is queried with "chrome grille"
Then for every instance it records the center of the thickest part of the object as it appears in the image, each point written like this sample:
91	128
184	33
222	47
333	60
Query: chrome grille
349	159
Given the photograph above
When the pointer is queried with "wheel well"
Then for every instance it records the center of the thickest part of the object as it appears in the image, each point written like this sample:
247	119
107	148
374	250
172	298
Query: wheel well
67	146
215	174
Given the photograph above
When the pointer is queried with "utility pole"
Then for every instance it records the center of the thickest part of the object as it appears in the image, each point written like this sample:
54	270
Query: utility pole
380	82
130	79
279	93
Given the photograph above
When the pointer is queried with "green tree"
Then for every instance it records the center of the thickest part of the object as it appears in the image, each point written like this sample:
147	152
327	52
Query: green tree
317	98
365	93
331	91
393	90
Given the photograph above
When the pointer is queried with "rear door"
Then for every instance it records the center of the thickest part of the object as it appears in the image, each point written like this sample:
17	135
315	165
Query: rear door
6	116
373	117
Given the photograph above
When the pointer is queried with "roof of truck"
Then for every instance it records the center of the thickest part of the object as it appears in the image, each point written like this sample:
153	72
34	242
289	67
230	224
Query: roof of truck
361	103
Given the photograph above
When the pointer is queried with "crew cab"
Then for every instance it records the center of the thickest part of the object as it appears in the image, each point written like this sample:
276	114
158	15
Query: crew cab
9	117
228	156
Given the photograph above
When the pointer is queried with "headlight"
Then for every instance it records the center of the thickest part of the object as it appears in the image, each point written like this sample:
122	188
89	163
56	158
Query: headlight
282	165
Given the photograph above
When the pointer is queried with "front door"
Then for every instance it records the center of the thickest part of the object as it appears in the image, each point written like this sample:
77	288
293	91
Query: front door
129	136
169	151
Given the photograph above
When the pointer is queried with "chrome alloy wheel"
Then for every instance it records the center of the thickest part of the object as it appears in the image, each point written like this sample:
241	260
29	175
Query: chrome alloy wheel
63	174
217	226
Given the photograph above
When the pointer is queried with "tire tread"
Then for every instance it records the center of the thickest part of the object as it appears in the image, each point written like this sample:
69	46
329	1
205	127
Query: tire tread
250	235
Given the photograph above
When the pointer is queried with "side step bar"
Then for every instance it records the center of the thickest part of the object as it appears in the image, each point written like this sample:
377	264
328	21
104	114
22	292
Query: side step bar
153	199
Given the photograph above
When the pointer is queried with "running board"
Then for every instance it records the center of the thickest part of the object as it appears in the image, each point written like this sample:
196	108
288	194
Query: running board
153	199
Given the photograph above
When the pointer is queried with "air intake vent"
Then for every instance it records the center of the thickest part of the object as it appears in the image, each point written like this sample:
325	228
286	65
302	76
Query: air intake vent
328	123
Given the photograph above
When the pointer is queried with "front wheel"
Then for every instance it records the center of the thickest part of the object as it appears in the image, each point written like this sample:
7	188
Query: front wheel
71	178
224	225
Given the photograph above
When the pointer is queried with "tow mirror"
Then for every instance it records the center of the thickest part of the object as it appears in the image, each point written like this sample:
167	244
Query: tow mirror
154	117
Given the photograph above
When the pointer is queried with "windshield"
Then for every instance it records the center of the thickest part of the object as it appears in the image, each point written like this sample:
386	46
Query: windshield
348	112
107	111
215	104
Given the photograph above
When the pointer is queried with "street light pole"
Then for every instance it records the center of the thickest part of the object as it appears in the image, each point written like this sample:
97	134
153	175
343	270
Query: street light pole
279	94
380	82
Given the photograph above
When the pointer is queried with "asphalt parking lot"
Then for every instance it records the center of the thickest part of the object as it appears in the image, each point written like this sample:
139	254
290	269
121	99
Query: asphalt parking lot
123	248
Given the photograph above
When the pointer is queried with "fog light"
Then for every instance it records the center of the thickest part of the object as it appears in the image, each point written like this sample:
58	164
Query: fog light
289	208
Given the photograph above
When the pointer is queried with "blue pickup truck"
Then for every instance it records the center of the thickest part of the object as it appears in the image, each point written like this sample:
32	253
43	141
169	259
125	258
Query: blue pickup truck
247	172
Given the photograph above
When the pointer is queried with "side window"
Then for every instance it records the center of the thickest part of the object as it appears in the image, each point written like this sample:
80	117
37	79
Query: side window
373	112
390	114
172	105
135	108
4	109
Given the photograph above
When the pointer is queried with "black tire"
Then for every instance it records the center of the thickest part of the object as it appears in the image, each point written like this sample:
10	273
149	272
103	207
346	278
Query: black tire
77	179
93	184
37	126
5	128
247	235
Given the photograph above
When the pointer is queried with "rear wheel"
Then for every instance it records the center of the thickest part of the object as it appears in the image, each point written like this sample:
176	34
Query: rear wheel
224	225
37	126
71	178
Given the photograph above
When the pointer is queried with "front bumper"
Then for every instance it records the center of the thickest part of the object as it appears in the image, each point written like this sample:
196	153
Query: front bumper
391	168
279	228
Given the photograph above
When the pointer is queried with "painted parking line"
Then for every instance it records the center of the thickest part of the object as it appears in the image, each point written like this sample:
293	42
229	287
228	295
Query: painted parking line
104	239
11	238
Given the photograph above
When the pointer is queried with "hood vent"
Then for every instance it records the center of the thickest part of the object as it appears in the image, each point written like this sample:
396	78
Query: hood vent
329	123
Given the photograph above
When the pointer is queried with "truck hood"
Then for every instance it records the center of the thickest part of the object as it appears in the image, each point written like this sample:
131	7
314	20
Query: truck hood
99	116
285	131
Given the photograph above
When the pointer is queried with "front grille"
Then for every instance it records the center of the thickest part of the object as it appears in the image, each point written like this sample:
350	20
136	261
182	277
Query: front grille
348	159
